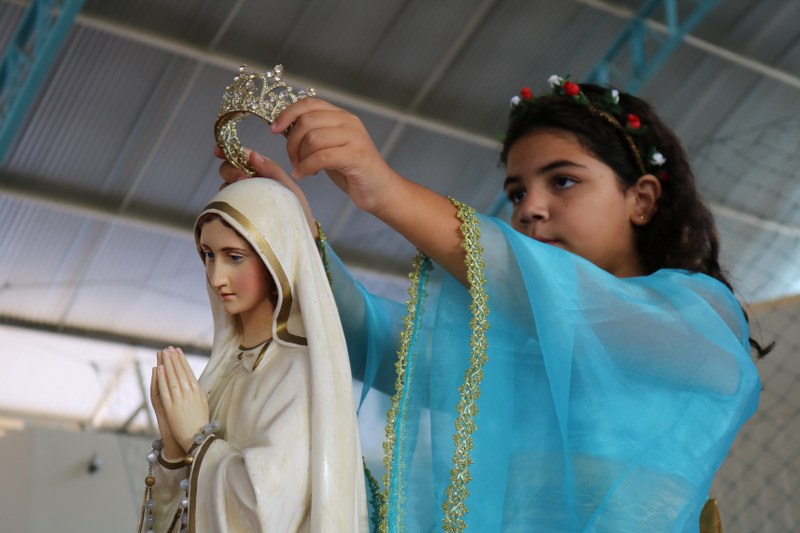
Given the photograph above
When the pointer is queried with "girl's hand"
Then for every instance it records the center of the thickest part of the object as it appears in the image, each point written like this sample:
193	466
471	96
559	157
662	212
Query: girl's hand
325	137
172	450
229	173
266	168
185	405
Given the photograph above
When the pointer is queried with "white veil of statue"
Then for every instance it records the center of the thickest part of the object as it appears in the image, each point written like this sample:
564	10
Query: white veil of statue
287	456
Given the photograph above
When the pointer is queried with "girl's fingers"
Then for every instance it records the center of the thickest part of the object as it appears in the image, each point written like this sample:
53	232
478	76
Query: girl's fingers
289	115
263	167
267	168
324	159
306	132
230	174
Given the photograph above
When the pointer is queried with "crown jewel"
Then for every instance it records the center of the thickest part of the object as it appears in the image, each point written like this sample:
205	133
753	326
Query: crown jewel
262	95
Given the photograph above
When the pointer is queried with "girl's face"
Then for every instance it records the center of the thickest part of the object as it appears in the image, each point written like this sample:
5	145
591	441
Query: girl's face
564	196
236	272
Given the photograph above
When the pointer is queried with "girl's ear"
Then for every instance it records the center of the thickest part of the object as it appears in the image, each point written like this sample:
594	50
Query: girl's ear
643	199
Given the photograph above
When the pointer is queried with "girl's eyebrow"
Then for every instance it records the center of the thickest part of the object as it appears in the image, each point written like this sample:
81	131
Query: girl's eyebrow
561	163
511	180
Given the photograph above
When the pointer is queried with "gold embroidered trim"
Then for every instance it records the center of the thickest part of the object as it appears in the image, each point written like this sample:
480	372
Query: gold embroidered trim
375	491
454	506
323	252
415	295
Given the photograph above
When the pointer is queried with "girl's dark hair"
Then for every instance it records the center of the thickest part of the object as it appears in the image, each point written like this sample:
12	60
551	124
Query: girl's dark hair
682	233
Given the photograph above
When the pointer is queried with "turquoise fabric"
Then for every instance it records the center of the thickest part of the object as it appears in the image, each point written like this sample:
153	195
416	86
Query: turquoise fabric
606	405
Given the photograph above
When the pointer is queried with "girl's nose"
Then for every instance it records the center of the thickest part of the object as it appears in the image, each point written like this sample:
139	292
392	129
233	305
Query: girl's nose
534	208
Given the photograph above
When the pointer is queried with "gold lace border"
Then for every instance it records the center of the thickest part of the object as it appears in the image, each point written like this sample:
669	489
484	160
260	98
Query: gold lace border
454	506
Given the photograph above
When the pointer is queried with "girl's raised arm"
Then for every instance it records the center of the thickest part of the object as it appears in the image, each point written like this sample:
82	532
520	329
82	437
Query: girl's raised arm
325	137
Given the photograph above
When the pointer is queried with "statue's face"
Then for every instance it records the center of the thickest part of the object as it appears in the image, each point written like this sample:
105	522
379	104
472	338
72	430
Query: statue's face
234	270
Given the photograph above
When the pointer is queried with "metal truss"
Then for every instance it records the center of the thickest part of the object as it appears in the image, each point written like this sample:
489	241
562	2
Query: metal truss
25	62
647	48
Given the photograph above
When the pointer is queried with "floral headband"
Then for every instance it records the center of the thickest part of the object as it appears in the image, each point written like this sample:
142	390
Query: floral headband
607	108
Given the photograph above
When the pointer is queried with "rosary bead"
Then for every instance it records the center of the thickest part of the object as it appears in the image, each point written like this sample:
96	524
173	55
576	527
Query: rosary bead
150	480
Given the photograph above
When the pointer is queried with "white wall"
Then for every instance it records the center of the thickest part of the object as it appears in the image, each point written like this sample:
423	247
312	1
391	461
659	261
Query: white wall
46	485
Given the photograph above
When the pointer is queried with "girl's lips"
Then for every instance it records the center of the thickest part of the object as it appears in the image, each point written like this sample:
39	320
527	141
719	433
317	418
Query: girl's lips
546	240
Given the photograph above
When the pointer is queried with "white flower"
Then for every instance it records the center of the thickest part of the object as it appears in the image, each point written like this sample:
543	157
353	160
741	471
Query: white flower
615	97
554	81
656	159
514	100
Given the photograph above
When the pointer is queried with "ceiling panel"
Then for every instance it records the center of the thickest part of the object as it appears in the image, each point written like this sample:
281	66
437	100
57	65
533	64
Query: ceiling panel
115	159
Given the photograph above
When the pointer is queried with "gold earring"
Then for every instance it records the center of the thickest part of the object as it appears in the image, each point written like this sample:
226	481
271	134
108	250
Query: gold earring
641	216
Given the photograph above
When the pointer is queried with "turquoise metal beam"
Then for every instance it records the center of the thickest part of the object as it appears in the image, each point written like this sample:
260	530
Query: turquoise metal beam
637	37
26	59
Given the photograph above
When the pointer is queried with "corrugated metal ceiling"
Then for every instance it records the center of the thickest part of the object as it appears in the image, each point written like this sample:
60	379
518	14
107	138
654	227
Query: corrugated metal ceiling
114	159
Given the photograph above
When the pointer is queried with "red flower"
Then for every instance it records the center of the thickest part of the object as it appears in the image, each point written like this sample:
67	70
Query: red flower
634	122
570	88
526	93
664	175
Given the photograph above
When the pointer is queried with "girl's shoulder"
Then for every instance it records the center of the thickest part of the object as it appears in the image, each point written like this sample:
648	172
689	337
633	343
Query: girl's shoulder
698	282
693	285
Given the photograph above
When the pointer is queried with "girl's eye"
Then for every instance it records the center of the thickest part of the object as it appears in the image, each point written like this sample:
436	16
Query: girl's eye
208	256
235	257
564	182
515	196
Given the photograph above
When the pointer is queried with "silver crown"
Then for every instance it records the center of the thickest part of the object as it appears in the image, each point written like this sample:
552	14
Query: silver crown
262	95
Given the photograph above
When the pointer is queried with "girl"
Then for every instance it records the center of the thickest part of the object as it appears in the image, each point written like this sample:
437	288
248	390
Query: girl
282	452
584	368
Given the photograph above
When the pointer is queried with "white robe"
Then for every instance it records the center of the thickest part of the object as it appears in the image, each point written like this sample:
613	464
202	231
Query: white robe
287	457
255	476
